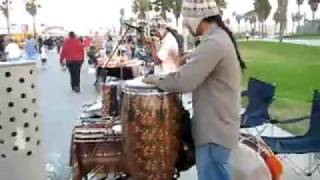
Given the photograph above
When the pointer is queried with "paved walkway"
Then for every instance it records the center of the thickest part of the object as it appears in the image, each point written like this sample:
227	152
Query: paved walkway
60	108
308	42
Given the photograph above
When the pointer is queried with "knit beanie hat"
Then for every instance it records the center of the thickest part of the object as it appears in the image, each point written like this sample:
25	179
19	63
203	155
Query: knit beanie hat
195	10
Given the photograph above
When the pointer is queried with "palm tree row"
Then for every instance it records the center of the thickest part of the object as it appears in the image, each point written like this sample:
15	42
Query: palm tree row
297	17
31	7
260	13
163	7
314	7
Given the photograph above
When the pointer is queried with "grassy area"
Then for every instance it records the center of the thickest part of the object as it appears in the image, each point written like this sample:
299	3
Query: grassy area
304	36
295	69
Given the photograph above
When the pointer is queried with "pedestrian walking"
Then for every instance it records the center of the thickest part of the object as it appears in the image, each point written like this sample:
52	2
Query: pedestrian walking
44	58
40	44
72	54
31	49
108	45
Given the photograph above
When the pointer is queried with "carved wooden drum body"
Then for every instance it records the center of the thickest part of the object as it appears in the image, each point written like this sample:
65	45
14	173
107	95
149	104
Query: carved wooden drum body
150	121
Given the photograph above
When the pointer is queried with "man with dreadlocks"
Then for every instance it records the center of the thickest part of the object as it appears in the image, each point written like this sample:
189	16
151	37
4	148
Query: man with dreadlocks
213	75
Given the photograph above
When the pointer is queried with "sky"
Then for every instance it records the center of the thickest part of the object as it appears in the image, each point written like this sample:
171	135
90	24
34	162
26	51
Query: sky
83	15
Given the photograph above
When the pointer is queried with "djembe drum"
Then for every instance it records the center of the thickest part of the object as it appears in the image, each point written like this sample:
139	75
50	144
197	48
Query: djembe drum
96	148
150	120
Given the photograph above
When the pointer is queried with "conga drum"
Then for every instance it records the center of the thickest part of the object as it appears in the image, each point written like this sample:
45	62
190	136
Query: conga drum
110	99
150	120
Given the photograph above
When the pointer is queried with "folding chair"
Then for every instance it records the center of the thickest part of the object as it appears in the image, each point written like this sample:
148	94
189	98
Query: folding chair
260	95
307	144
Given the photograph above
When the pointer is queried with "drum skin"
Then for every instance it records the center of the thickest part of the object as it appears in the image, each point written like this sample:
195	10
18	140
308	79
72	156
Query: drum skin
151	134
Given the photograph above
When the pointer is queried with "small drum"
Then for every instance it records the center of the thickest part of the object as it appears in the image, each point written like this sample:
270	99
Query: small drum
110	99
96	148
150	120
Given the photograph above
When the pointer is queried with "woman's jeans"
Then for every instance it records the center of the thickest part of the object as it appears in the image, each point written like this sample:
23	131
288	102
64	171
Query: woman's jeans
213	162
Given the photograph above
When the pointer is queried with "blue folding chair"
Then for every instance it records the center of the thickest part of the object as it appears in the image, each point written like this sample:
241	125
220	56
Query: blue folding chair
260	95
306	144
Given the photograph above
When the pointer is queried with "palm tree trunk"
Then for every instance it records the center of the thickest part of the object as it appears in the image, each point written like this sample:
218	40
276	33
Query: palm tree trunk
313	17
281	32
292	28
8	26
299	10
163	13
177	22
34	26
265	28
283	9
246	27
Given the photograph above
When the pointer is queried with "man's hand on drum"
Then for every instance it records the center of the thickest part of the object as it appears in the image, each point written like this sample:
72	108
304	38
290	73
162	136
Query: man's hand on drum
151	79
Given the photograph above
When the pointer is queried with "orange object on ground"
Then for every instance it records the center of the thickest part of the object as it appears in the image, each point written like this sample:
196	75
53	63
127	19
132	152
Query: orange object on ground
275	166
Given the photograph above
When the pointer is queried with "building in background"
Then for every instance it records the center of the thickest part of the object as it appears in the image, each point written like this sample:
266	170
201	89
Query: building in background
310	26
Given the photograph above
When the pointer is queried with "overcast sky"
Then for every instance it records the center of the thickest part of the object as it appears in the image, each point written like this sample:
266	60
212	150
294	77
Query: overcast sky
82	15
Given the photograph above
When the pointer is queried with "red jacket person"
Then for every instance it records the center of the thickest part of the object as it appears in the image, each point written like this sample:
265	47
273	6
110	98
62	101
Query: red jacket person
73	54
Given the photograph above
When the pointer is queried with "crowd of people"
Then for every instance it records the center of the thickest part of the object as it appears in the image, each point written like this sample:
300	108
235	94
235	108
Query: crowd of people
30	49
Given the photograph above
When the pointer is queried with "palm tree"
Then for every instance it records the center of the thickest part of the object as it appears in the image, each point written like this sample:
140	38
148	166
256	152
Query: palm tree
276	18
252	17
32	8
176	8
282	10
4	7
221	3
299	3
314	7
238	18
294	17
163	6
263	10
122	13
141	7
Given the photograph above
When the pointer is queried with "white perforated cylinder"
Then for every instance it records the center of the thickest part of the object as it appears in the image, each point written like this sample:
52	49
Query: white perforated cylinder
21	152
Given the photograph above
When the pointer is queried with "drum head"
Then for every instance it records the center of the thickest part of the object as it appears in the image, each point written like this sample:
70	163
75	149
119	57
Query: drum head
137	83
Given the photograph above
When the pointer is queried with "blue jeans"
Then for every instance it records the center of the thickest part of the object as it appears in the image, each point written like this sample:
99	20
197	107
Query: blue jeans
213	162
